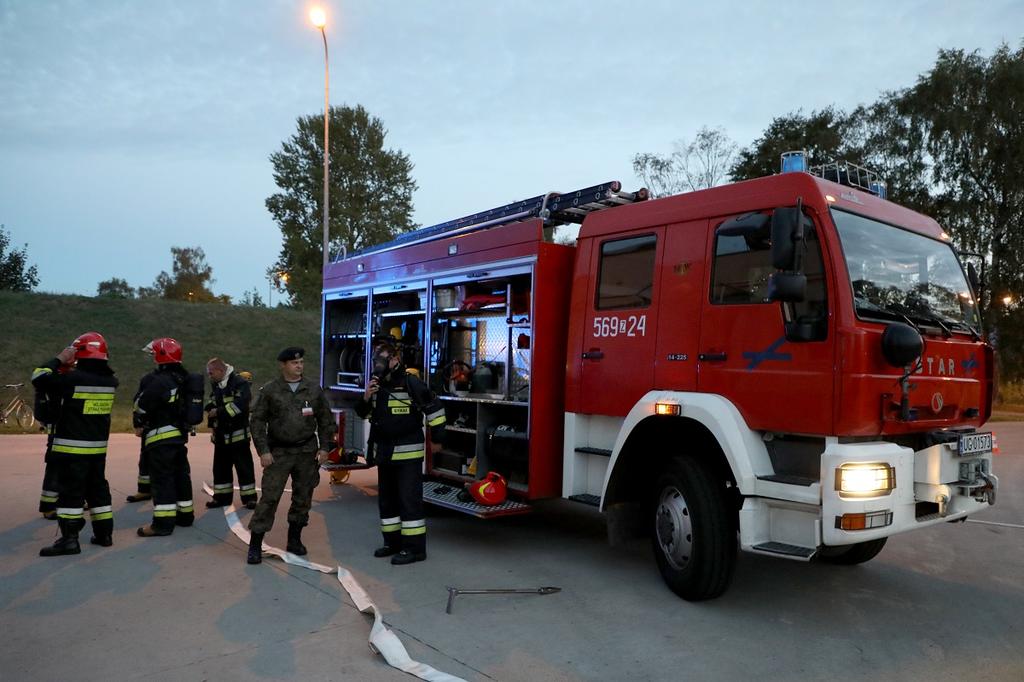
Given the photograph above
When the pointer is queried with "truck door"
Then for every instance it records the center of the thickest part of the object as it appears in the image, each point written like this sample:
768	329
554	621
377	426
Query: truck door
620	324
777	383
682	289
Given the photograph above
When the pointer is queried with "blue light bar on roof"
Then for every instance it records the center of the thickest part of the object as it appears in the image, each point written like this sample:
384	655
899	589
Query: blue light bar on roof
878	188
794	162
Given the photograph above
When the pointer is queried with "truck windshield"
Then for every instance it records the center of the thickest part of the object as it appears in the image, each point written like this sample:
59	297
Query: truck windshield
901	275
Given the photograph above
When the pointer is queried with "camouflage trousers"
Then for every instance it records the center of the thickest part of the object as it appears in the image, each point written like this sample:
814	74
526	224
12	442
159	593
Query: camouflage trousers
302	467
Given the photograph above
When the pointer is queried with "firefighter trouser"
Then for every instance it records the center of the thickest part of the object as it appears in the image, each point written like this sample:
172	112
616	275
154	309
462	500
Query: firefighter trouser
144	481
239	456
304	470
400	498
172	486
81	479
51	486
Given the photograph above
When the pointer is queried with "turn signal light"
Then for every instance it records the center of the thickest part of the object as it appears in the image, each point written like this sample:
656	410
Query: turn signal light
669	409
879	519
865	480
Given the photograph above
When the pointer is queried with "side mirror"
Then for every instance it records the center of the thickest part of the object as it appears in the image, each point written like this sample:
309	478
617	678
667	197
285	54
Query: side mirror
787	287
972	277
787	229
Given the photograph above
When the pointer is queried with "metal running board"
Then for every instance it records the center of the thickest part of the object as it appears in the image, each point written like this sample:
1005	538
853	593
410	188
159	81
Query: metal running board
555	208
788	479
587	498
789	551
587	450
450	500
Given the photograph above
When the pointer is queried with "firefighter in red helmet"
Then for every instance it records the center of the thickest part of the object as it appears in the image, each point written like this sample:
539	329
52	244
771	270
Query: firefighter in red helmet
159	420
82	400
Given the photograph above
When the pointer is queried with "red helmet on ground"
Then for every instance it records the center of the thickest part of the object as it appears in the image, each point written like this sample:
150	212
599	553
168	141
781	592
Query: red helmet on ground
491	490
90	346
164	350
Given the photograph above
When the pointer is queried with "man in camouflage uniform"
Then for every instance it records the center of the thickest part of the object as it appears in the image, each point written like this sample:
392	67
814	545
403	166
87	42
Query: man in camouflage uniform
292	428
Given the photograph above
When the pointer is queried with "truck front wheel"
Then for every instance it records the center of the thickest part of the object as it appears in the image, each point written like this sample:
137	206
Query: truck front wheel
694	538
849	555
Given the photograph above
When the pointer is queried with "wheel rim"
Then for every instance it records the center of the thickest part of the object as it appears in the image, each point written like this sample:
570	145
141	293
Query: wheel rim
672	524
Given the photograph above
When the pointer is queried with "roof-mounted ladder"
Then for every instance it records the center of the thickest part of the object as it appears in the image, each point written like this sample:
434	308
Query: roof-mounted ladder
554	208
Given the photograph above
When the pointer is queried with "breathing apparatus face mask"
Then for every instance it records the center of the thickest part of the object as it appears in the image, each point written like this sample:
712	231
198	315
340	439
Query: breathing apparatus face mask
381	364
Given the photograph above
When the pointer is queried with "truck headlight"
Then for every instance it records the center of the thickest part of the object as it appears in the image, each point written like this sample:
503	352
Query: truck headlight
865	480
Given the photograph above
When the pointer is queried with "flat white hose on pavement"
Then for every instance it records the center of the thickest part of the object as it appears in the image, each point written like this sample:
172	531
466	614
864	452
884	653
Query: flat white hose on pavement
382	640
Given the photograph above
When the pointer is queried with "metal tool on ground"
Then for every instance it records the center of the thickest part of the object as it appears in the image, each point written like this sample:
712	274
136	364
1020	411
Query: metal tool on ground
453	592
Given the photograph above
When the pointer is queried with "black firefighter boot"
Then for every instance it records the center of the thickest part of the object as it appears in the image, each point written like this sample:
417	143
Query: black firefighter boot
255	555
67	544
295	545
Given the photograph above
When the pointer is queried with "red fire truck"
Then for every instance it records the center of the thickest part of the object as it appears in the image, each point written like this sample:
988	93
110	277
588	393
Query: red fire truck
792	364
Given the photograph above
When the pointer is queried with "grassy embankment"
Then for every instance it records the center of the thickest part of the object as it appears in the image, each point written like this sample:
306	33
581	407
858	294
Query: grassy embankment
39	325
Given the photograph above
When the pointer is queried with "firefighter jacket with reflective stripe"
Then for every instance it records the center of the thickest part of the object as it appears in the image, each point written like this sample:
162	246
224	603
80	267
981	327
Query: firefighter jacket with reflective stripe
397	412
285	418
159	411
81	401
232	405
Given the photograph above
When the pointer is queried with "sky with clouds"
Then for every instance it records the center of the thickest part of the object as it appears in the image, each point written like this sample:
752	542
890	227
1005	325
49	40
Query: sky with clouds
129	127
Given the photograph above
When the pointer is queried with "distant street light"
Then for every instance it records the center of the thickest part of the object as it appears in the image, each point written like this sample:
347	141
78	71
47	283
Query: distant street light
278	278
1007	300
319	19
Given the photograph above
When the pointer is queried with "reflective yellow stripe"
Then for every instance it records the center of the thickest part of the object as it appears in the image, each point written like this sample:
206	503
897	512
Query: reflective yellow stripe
162	514
40	371
436	421
414	454
399	410
232	409
73	450
398	403
163	433
47	498
390	528
414	531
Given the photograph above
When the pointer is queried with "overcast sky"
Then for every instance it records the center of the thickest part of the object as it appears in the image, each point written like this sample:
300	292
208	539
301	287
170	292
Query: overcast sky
128	127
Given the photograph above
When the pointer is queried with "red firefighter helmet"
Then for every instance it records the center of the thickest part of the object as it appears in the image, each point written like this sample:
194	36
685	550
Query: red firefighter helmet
164	350
490	490
90	346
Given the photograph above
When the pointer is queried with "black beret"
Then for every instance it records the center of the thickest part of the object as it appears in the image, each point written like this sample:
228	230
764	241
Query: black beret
290	353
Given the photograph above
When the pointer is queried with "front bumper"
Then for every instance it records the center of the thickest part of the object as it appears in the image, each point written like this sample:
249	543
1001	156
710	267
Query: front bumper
932	486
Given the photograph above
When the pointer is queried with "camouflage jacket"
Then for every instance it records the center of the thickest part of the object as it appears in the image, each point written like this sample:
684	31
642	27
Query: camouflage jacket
281	418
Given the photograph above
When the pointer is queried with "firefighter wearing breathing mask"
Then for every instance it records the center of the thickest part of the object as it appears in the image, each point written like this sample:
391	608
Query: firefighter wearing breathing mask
396	404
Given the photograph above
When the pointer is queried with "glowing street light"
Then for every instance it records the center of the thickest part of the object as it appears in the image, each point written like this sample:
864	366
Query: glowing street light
319	19
1007	300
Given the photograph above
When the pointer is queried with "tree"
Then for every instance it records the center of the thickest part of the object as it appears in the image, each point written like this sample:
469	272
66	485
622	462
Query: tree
190	279
704	162
14	276
115	287
252	299
370	197
826	135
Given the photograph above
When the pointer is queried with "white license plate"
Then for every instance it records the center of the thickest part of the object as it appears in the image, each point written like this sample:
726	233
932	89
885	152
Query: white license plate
975	444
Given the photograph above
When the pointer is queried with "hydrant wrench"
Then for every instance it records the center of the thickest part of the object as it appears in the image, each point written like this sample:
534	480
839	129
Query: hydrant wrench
453	592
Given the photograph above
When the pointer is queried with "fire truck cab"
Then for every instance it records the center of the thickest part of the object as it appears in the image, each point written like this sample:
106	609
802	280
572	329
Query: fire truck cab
792	365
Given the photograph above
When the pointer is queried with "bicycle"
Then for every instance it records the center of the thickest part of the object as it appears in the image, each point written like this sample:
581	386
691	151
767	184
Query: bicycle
18	408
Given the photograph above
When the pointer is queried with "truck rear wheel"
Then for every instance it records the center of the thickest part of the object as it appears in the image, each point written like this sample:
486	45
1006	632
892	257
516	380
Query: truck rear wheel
694	538
850	555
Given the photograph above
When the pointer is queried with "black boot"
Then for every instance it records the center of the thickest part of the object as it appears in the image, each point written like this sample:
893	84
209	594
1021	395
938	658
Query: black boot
67	544
102	540
386	550
408	557
255	555
295	545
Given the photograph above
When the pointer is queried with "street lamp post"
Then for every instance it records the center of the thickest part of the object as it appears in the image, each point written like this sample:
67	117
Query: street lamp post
319	19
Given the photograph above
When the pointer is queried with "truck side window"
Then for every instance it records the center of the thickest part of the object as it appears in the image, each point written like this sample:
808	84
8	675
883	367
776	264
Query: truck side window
741	269
740	276
626	278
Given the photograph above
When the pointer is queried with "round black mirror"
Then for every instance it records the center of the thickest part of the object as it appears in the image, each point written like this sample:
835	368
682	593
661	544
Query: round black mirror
901	344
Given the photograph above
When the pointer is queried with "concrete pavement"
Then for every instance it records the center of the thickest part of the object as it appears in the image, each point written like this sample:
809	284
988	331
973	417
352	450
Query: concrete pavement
938	604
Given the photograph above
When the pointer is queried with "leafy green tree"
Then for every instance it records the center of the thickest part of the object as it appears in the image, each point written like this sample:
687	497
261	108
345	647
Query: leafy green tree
370	194
698	164
826	135
252	299
190	279
14	275
115	287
